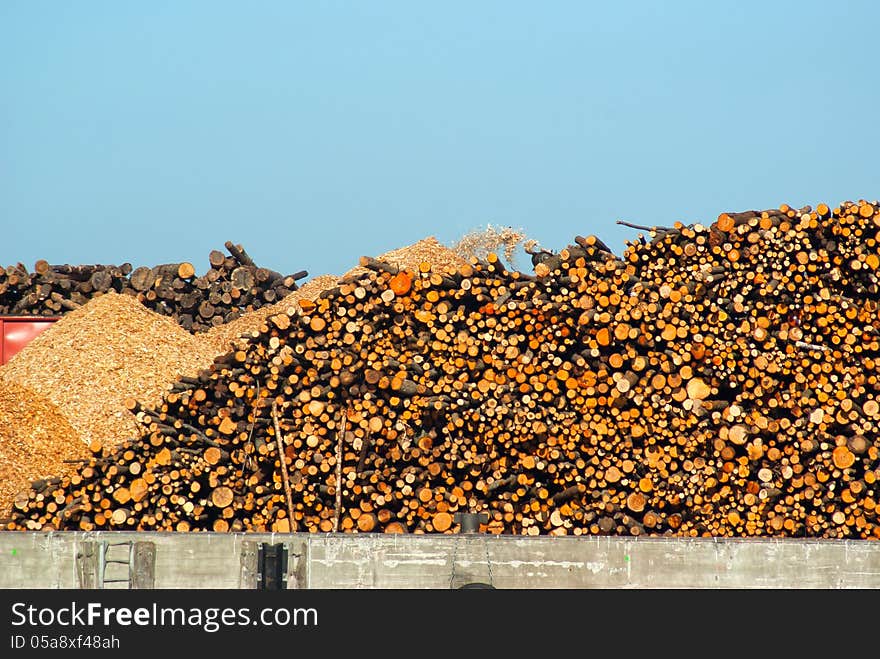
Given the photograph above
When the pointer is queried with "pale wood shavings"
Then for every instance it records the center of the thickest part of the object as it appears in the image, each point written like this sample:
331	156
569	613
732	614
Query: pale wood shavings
501	240
427	250
95	357
35	439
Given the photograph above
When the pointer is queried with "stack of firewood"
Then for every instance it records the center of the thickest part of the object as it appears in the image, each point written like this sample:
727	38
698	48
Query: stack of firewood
713	381
232	285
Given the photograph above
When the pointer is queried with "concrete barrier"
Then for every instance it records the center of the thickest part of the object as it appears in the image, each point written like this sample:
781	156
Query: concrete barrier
74	560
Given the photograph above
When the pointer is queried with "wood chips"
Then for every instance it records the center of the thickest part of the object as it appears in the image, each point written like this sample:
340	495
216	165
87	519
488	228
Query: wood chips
95	357
427	250
35	439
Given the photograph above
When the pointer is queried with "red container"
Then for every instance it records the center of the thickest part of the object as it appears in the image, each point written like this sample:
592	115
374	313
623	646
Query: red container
17	331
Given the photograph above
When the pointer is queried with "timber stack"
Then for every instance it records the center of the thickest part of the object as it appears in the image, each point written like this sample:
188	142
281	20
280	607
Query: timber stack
232	285
713	381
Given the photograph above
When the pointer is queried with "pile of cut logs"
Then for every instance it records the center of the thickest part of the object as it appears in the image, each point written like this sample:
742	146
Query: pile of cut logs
232	285
713	381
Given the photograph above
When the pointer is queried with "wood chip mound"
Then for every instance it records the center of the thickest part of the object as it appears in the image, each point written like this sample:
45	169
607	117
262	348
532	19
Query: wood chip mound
427	250
219	340
35	439
95	357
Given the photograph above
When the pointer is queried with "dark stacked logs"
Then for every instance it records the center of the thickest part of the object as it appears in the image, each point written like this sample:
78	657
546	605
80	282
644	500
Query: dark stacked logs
713	381
232	285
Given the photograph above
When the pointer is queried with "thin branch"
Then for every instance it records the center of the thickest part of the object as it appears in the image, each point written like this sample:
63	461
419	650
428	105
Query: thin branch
811	346
283	460
339	471
641	227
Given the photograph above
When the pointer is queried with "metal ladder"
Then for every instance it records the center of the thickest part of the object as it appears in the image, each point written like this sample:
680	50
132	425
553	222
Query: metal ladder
105	559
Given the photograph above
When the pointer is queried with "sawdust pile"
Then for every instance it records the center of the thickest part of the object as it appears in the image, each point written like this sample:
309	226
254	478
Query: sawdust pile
35	439
501	240
427	250
95	357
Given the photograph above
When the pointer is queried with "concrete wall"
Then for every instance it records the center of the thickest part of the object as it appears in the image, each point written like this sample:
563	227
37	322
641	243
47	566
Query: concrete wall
210	560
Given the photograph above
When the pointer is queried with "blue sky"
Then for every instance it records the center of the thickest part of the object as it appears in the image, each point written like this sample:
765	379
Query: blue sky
314	133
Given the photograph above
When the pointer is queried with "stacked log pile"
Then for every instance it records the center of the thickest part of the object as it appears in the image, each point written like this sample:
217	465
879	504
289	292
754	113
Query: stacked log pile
713	381
228	336
232	285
